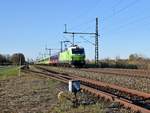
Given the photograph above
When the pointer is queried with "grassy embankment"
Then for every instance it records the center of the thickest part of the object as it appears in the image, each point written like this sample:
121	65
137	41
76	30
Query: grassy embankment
6	72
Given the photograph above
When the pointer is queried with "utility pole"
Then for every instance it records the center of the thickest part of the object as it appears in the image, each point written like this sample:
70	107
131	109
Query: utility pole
73	33
61	43
61	46
19	65
41	55
96	39
50	50
73	39
96	43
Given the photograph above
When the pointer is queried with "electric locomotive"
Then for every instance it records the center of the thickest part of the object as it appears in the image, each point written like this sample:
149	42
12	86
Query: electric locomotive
72	56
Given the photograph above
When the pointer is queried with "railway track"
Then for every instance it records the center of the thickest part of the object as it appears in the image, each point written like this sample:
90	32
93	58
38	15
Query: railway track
121	72
135	100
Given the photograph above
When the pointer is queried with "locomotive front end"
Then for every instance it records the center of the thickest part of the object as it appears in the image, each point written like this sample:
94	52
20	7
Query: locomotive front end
78	56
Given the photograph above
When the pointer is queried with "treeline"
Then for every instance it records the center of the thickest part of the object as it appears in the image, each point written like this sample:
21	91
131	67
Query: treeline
134	61
121	63
15	59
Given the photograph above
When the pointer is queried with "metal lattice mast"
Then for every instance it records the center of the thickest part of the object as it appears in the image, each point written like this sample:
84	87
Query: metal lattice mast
96	39
96	43
50	51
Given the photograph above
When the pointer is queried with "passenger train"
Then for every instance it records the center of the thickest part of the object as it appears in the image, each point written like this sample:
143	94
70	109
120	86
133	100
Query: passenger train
72	56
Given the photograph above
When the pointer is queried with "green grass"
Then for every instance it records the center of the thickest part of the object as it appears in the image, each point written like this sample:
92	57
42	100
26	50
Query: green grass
66	106
8	72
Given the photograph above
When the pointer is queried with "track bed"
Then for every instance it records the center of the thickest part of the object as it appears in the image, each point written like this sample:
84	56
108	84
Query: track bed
137	101
132	82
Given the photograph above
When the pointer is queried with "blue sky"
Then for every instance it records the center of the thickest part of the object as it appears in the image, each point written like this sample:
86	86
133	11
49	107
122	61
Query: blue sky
27	26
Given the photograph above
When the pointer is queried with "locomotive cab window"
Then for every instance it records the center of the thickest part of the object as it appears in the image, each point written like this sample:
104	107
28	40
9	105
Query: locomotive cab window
77	51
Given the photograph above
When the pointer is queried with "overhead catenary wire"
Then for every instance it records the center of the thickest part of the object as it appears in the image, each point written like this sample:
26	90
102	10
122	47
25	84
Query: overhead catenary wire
82	24
84	14
130	23
116	12
117	3
87	40
87	11
121	10
114	7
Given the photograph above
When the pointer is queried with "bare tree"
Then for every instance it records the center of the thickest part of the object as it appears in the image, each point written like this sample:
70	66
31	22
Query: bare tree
18	58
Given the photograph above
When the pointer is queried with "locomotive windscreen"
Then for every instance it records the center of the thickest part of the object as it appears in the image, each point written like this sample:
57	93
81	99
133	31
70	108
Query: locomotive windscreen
78	51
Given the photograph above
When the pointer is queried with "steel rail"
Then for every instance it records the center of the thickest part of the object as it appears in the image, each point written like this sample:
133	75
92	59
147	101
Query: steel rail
92	86
110	97
99	83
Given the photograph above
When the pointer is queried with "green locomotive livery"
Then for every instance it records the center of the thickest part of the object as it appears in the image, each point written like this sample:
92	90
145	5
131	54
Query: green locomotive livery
72	56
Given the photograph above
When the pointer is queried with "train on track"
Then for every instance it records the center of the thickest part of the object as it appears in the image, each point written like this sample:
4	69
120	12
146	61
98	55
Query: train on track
71	56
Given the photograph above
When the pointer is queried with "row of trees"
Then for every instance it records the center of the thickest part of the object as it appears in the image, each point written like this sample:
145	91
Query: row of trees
134	61
15	59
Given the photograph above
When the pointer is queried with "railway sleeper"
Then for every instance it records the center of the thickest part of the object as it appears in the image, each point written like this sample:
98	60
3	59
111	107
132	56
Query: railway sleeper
133	98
